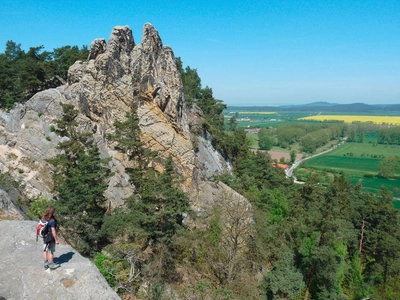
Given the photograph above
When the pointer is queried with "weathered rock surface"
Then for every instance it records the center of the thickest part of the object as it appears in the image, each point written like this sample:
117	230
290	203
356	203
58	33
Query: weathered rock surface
116	77
22	275
8	211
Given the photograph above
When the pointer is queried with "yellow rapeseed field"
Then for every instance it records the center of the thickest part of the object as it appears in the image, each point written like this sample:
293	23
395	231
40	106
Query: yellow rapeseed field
257	112
393	120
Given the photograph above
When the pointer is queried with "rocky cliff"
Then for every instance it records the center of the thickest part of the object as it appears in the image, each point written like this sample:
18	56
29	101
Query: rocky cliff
117	75
22	275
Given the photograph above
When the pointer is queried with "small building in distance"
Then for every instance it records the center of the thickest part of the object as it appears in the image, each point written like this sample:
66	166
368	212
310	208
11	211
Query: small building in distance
282	166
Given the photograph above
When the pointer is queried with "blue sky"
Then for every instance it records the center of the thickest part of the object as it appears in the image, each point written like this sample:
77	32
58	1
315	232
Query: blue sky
249	52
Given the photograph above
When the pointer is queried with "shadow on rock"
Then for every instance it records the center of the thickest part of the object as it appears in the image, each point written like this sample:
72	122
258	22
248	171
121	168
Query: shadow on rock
64	258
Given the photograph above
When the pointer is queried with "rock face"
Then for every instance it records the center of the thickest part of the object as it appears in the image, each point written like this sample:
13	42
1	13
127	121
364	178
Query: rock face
22	275
116	77
8	211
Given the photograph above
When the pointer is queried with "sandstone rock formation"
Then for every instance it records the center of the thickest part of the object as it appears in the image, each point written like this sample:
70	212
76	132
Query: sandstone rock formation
116	76
22	275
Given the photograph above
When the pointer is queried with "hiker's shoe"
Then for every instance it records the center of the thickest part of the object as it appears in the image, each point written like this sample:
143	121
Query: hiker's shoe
46	265
53	266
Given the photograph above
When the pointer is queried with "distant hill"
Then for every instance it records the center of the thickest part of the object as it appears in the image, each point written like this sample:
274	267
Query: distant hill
325	107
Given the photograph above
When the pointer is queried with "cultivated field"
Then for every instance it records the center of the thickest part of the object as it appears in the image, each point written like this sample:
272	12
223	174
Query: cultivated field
346	164
392	120
367	149
356	160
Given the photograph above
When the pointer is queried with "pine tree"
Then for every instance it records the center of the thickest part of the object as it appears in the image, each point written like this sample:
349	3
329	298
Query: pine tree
80	179
156	207
127	138
160	211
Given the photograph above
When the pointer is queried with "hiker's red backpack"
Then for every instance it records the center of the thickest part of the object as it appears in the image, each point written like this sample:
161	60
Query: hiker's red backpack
42	229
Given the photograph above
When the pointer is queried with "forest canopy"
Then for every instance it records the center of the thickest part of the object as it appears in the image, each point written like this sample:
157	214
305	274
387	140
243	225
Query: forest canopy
24	73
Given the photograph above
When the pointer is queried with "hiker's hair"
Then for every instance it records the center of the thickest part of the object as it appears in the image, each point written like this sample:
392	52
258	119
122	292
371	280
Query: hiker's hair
49	212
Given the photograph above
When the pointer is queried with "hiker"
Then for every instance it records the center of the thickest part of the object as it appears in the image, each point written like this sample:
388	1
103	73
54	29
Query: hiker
50	240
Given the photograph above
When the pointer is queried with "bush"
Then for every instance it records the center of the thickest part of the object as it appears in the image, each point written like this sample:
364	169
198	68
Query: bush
368	175
38	207
104	264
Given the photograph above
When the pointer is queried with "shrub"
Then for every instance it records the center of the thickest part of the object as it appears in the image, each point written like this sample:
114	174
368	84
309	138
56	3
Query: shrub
104	264
38	207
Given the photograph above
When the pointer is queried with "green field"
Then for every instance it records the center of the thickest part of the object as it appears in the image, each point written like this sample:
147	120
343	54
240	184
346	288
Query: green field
256	119
356	160
349	165
366	149
261	123
374	185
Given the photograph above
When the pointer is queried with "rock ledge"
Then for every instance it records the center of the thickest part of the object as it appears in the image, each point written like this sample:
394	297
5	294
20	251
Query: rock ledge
22	275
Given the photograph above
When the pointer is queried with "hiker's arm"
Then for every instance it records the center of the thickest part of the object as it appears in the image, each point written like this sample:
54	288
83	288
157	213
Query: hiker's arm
53	231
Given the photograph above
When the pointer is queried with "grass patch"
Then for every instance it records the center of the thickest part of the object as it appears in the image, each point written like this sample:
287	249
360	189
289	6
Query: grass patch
374	185
349	165
367	150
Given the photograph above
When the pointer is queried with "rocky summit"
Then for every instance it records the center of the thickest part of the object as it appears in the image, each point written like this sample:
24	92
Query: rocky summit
22	275
116	76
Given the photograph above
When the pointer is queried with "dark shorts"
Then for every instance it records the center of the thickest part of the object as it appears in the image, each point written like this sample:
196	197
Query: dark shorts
50	247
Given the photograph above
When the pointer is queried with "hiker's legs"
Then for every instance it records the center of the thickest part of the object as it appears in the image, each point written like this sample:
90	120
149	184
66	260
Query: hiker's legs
45	248
51	248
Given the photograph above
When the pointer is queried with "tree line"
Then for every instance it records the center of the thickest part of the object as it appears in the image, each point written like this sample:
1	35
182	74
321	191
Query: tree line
309	136
24	73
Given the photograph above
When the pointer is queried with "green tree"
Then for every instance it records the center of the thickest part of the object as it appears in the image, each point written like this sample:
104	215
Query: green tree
127	138
284	281
292	156
157	207
13	50
325	231
191	82
352	135
362	137
308	143
160	211
263	132
387	167
233	124
22	74
66	56
265	142
80	180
